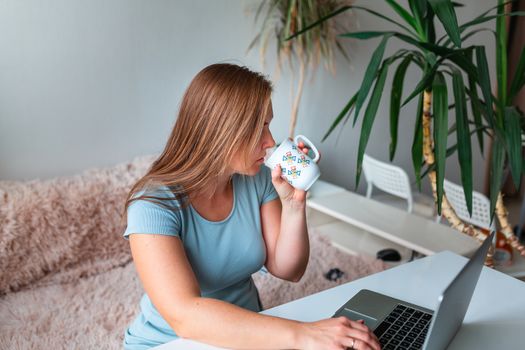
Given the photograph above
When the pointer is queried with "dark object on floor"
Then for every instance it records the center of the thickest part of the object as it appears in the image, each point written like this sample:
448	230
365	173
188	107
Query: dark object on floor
388	254
334	274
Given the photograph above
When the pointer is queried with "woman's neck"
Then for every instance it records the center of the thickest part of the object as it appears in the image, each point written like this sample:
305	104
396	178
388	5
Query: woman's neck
219	188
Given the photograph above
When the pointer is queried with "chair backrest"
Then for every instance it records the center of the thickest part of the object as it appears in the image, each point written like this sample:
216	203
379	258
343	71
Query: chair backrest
480	205
388	178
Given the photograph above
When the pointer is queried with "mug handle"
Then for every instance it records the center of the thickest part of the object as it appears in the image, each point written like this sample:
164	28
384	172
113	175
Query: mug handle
310	144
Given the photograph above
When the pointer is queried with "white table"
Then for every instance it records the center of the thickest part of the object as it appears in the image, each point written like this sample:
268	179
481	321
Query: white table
495	318
393	224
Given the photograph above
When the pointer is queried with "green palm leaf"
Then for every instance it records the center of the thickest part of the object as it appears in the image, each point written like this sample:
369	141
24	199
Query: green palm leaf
429	26
484	80
477	20
457	56
424	83
364	35
377	14
463	137
496	172
450	151
480	104
370	74
369	118
346	110
513	137
341	10
404	14
460	58
501	57
490	18
446	14
440	103
476	111
417	143
519	76
419	10
395	102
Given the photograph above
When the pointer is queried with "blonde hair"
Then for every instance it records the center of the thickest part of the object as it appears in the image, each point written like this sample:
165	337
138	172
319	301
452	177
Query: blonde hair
222	112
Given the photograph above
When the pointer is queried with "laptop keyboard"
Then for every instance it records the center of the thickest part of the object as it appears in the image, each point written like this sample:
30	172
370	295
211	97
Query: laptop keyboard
403	328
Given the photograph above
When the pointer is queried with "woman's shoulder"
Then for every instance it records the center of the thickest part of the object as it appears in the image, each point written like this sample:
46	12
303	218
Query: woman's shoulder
260	185
154	211
163	196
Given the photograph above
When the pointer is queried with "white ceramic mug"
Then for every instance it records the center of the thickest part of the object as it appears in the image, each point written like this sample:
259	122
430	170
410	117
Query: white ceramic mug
297	168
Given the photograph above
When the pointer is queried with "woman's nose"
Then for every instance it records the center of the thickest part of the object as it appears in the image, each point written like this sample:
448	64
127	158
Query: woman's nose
269	141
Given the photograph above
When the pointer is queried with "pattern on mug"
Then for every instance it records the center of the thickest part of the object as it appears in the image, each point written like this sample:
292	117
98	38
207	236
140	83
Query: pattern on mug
303	161
289	158
294	173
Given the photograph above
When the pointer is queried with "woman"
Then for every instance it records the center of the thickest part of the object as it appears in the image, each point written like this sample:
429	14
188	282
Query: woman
207	215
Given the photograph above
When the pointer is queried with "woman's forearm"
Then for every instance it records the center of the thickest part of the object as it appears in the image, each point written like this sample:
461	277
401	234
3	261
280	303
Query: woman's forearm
222	324
292	248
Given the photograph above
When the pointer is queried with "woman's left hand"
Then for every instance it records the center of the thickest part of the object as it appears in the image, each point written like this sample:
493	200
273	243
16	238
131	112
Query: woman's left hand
287	192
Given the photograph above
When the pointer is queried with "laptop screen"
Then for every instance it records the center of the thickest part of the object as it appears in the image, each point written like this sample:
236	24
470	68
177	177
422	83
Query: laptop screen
454	301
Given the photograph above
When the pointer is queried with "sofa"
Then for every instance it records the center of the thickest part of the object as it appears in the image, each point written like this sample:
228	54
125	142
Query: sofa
67	280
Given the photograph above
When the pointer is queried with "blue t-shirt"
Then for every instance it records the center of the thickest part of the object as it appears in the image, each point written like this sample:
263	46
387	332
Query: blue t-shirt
223	254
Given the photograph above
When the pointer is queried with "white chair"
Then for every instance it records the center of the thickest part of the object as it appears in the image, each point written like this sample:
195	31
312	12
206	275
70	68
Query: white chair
394	181
480	206
346	237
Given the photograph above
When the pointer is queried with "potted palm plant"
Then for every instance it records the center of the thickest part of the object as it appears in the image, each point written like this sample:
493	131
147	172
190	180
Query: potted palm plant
444	61
284	17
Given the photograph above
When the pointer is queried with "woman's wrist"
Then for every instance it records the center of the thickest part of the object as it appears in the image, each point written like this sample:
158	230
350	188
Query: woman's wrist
300	331
292	205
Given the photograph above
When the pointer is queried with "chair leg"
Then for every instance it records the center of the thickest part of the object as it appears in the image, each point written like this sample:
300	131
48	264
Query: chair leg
369	190
414	255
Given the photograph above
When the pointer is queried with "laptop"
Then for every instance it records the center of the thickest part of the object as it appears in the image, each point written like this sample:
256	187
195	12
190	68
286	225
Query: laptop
402	325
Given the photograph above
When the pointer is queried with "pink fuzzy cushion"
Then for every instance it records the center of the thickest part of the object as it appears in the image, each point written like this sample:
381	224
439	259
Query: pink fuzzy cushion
61	229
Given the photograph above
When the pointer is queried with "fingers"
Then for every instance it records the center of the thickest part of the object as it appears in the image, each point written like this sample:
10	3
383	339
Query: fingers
283	188
287	193
360	325
363	340
276	174
361	336
303	148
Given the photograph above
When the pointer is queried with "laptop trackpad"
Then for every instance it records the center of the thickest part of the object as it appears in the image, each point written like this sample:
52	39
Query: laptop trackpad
353	315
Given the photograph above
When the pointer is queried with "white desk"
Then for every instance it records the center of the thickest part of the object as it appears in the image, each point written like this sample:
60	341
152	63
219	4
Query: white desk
495	318
381	223
408	230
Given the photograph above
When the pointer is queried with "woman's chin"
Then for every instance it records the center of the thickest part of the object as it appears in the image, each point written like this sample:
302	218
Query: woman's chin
252	171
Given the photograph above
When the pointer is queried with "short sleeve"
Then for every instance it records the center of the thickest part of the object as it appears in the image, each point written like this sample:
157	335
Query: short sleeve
264	182
152	218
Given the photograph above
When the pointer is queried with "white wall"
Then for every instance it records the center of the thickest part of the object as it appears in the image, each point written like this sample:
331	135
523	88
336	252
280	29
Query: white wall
94	83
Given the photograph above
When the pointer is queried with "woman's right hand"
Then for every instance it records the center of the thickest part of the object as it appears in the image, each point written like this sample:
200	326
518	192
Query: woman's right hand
337	333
